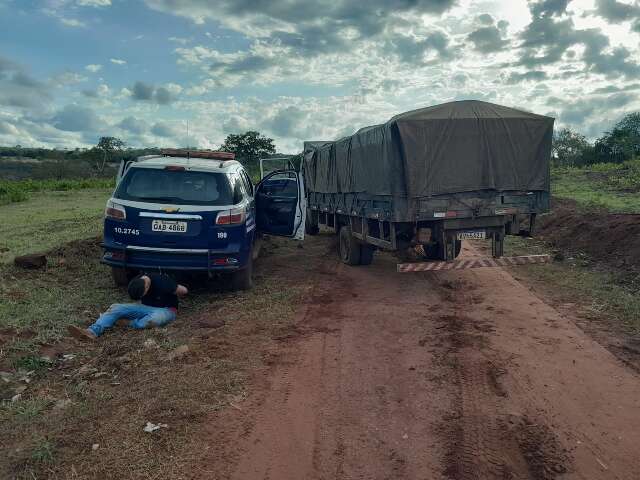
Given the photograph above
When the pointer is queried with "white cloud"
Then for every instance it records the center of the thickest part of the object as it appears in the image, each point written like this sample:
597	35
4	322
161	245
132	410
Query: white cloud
179	40
94	3
103	90
72	22
173	88
68	78
342	69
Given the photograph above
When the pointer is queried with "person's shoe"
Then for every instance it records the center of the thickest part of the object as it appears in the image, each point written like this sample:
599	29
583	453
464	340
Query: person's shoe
123	322
82	334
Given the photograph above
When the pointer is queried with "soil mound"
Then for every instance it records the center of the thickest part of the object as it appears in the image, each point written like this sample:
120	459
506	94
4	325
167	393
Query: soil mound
605	237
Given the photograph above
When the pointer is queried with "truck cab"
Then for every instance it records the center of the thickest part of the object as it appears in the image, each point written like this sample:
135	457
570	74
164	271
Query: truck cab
197	211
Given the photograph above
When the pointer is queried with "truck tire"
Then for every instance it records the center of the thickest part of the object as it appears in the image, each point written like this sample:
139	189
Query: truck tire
349	248
243	279
122	276
366	254
311	223
436	251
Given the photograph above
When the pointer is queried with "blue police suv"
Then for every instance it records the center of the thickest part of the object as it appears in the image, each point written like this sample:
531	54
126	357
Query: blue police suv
197	211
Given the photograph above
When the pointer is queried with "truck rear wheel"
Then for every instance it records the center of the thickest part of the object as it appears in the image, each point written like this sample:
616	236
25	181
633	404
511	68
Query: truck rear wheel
436	251
348	247
243	279
366	254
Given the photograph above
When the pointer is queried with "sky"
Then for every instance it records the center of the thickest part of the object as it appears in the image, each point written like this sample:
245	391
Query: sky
190	72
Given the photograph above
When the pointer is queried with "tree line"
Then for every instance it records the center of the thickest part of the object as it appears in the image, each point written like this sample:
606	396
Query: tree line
569	148
621	143
99	160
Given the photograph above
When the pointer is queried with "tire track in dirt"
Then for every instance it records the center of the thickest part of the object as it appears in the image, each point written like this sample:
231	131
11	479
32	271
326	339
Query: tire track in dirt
483	442
450	375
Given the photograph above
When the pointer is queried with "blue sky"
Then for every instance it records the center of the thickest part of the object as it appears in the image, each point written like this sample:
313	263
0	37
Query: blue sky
73	70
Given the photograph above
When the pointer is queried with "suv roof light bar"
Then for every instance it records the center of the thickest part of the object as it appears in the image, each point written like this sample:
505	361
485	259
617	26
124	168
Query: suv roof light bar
211	154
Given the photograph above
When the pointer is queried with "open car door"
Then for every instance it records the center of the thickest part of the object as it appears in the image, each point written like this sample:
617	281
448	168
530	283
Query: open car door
281	204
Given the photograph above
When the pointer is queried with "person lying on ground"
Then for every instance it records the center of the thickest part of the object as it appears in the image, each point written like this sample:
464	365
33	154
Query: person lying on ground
158	295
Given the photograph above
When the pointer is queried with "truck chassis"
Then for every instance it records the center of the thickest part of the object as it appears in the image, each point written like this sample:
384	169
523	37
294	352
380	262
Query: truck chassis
438	225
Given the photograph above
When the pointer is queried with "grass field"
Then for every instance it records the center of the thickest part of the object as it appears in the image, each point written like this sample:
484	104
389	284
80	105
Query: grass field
104	393
600	292
49	219
58	397
615	187
12	191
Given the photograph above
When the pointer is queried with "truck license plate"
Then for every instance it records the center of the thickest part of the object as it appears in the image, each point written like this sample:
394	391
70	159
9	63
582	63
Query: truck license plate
168	226
472	235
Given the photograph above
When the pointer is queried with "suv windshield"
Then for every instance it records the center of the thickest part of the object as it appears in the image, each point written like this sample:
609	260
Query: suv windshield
177	187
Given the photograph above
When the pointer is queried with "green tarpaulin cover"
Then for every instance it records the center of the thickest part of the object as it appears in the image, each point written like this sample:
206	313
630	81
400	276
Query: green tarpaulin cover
450	148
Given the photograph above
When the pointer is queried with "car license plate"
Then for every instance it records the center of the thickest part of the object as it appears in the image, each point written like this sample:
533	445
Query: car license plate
472	235
168	226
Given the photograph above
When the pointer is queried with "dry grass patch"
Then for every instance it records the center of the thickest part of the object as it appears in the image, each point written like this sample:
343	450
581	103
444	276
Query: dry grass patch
81	413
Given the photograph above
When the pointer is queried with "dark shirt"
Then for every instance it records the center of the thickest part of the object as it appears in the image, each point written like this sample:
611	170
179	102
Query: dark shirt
162	292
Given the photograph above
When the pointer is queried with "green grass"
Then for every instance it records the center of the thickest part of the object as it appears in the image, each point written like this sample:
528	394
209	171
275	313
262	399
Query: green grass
49	219
24	410
43	452
613	186
601	292
48	441
31	363
45	302
19	191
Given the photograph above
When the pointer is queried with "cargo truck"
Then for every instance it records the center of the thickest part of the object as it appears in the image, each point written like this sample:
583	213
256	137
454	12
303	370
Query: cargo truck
431	178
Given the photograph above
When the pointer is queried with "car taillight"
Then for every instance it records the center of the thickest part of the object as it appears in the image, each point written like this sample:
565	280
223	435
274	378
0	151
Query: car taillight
231	217
115	211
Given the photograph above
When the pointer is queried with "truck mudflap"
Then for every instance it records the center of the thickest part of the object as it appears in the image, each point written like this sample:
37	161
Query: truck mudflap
473	263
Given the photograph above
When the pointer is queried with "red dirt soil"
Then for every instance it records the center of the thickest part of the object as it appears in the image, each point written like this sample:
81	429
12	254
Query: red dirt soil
604	236
434	375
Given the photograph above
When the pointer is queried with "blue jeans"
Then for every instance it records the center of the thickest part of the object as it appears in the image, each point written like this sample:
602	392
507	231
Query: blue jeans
140	316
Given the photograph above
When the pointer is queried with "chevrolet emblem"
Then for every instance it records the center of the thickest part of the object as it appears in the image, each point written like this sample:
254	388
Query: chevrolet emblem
171	210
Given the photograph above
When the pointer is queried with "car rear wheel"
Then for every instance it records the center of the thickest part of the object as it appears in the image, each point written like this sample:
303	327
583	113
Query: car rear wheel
348	247
243	279
122	276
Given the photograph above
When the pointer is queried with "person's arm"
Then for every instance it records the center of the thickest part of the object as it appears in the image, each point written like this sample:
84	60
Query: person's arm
181	291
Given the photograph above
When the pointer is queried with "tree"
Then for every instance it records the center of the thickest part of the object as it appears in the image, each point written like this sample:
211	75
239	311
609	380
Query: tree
108	145
621	143
570	148
249	146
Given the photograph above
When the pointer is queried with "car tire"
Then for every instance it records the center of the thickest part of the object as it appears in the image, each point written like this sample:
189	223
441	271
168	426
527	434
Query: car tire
366	254
257	246
122	276
243	279
349	248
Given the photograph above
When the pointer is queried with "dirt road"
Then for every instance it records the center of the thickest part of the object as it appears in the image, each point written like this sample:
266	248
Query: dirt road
442	375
